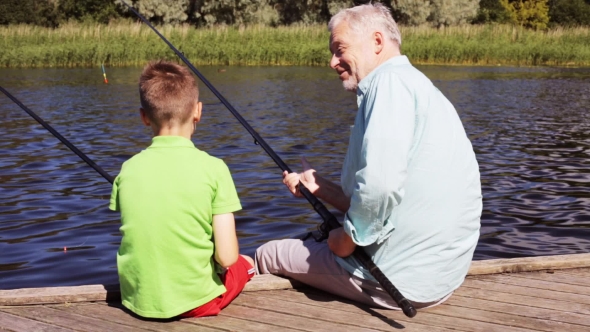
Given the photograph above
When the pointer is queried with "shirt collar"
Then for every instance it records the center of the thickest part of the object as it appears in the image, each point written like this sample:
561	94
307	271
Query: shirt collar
363	85
171	141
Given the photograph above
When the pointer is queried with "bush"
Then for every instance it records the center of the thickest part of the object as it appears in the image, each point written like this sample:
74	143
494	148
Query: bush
527	13
570	12
42	12
491	11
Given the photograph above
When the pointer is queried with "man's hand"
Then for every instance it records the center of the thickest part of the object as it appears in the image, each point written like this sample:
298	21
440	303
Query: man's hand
307	178
340	243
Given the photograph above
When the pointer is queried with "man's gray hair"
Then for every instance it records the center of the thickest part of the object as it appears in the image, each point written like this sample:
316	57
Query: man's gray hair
367	18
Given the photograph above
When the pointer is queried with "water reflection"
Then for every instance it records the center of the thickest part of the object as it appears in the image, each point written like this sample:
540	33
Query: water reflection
529	128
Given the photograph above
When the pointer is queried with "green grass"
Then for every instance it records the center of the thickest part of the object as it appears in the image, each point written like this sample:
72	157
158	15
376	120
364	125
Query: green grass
125	44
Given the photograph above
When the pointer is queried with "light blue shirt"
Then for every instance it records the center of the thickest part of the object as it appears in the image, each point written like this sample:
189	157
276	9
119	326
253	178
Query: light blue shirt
413	182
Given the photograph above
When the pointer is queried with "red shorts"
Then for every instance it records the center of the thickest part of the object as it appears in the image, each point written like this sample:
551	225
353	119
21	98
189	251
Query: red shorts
234	279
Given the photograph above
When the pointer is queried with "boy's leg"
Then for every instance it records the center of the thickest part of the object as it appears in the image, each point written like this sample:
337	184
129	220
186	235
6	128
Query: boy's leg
234	279
313	264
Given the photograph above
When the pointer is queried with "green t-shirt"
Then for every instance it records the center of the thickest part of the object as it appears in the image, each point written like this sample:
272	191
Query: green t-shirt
167	195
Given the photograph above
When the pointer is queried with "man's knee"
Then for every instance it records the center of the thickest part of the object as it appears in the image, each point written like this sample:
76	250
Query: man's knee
264	256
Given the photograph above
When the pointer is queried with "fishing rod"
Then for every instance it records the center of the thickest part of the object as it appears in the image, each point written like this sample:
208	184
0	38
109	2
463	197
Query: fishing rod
60	137
329	219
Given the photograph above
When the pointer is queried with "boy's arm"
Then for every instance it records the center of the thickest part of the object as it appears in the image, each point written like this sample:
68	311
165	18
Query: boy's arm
225	238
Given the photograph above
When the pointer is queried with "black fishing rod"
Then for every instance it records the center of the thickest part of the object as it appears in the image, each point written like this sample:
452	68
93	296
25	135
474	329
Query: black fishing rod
329	219
60	137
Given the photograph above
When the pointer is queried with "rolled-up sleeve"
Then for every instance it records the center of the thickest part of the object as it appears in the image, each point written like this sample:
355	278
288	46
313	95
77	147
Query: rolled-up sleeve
389	115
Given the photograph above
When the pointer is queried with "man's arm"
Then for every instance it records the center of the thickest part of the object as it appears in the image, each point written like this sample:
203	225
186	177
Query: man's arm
386	140
322	188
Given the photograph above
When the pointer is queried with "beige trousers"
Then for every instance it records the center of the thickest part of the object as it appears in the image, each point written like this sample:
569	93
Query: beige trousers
313	264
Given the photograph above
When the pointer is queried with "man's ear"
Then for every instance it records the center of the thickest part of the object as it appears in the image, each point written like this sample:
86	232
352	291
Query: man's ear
379	41
197	112
144	118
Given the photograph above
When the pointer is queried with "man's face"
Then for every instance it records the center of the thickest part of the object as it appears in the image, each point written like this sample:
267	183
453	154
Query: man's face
347	56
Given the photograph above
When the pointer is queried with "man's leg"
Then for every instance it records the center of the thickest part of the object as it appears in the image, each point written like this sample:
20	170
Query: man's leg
313	264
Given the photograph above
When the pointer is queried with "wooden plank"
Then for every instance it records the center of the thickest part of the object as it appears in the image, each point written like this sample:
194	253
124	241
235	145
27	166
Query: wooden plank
330	318
230	323
489	285
20	324
536	302
270	282
525	264
428	317
116	314
507	320
68	320
571	321
91	293
287	320
584	272
218	323
87	293
558	278
510	279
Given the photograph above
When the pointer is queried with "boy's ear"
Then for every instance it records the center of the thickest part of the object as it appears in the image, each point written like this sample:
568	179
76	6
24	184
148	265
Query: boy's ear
197	113
144	118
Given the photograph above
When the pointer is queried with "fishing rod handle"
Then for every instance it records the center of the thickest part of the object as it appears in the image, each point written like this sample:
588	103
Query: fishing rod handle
406	306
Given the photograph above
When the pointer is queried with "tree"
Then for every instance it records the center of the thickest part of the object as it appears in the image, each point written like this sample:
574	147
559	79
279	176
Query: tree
528	13
160	11
88	10
41	12
227	11
570	12
446	13
491	11
437	12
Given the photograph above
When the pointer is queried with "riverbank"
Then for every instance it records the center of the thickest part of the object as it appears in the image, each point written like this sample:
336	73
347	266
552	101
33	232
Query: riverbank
128	44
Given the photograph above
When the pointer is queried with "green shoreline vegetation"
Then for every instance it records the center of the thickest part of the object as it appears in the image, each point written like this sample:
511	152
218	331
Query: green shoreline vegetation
133	44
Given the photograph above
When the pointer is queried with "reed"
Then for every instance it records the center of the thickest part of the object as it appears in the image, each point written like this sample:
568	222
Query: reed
125	44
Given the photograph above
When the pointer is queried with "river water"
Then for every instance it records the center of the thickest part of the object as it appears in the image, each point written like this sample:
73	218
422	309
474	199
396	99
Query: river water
530	128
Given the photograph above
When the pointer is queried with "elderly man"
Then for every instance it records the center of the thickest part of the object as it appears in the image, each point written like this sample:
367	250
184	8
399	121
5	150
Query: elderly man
410	182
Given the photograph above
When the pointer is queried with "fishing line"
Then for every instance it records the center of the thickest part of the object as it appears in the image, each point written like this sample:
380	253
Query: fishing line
66	247
330	221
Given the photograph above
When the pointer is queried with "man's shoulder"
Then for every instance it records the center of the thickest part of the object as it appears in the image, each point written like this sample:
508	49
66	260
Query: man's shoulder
405	72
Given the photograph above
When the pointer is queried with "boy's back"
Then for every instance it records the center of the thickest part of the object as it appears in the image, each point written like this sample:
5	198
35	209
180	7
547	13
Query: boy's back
167	195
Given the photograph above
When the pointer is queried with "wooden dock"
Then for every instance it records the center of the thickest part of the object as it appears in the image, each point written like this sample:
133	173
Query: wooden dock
526	294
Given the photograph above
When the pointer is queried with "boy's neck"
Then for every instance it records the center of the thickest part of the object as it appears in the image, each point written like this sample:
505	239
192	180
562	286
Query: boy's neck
183	131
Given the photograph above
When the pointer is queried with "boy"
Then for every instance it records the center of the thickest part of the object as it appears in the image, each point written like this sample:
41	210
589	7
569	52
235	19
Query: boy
176	206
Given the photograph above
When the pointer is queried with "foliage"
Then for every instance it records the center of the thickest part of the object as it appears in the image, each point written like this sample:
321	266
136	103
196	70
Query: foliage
436	12
99	11
126	43
43	12
226	11
206	13
160	11
528	13
570	12
491	11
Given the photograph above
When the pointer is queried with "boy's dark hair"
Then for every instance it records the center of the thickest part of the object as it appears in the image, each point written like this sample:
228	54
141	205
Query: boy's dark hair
168	93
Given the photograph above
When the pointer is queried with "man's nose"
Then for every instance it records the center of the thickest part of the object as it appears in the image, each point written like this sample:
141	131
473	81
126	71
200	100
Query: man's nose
334	61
